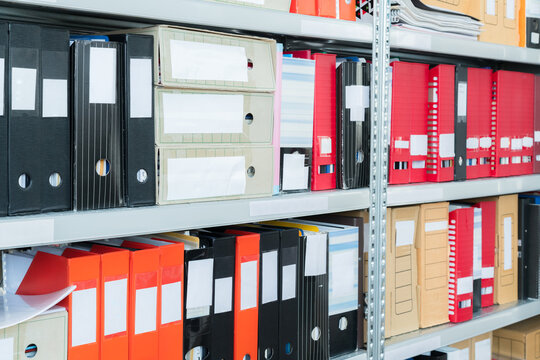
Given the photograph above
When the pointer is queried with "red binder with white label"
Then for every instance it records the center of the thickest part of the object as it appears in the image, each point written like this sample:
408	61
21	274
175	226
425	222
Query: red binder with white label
536	160
440	124
488	250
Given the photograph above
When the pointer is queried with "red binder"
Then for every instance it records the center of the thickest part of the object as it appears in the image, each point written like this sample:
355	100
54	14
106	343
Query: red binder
536	160
246	294
478	123
440	124
460	282
305	7
488	250
512	148
340	9
408	133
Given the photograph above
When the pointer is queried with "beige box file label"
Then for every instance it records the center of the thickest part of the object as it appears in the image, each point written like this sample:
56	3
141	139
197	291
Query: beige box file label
210	117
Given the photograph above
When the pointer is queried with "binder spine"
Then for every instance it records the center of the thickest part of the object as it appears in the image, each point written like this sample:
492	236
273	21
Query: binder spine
433	120
4	58
494	145
452	308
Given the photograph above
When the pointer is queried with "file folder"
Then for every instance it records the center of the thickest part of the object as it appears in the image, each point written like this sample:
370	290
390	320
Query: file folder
304	7
478	128
277	117
137	58
477	258
488	250
408	133
460	282
4	110
440	124
464	91
353	124
98	175
523	203
517	341
530	245
529	22
536	159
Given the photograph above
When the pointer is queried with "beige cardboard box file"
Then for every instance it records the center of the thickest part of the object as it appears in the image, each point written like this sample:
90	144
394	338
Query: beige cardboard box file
518	341
281	5
401	277
44	337
211	117
481	347
432	254
190	174
202	59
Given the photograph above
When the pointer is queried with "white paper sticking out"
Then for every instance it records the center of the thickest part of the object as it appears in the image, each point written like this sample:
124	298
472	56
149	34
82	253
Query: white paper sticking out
145	310
6	349
288	285
537	136
485	142
23	89
192	60
465	285
462	98
505	143
325	145
435	226
401	144
102	76
223	295
404	233
295	174
357	100
205	177
55	98
202	113
528	142
2	72
491	7
115	316
507	243
248	285
140	88
199	283
418	145
446	145
482	350
343	273
16	265
535	37
473	143
269	277
516	144
315	262
488	272
510	9
83	317
171	302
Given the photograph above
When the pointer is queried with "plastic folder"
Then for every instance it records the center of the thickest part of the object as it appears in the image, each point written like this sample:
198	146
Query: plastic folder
488	250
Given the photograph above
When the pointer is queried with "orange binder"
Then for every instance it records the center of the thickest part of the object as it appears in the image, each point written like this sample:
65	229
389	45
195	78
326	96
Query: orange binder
74	267
305	7
340	9
246	294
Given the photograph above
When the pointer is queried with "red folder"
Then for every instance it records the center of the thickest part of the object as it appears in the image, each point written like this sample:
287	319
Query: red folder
536	160
74	267
246	294
440	124
478	123
488	250
408	133
512	148
340	9
305	7
460	282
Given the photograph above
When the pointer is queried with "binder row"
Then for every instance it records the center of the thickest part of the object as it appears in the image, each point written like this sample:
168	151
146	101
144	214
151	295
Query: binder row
285	289
457	122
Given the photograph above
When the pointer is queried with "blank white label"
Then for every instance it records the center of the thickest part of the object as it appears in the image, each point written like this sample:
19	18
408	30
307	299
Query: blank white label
115	316
357	100
418	164
485	142
6	349
435	226
418	145
202	113
199	283
102	76
288	282
446	145
343	273
516	144
171	302
326	145
462	98
295	175
248	285
537	136
473	143
315	262
482	350
223	295
140	88
145	310
528	142
205	177
535	37
2	79
55	98
488	272
510	9
23	89
404	233
202	61
401	144
505	143
491	7
477	244
507	243
83	317
465	285
269	277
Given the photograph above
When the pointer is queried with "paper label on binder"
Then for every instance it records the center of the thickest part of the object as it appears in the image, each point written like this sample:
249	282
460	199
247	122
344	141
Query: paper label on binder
446	145
357	100
102	76
288	286
491	7
344	274
23	89
537	136
55	98
528	142
83	317
485	142
145	310
510	9
315	261
505	143
404	233
295	175
171	302
6	349
199	283
472	143
192	60
223	295
269	276
115	309
248	285
462	98
482	350
418	145
140	88
2	79
465	285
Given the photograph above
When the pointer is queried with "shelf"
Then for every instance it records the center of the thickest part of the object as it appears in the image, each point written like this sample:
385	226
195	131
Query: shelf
72	226
434	192
492	318
357	355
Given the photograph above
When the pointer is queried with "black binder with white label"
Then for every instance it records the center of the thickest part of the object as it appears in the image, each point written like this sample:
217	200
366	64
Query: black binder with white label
4	104
460	127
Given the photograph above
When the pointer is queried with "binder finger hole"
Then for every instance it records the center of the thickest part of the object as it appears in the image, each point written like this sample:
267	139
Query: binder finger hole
24	181
251	171
246	357
343	323
268	353
250	64
142	176
288	348
55	180
103	167
249	118
30	351
199	353
316	333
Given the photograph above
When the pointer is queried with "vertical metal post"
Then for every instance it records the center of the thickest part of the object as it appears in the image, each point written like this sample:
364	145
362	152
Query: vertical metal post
380	97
